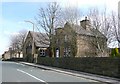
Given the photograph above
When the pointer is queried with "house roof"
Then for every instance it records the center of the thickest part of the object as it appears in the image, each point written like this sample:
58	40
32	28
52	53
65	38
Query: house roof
82	31
41	39
91	32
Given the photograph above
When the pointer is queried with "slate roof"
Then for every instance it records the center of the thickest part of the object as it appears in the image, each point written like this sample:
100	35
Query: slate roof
41	39
82	31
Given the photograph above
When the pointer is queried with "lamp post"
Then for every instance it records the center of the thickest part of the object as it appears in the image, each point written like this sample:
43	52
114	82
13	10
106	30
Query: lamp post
33	50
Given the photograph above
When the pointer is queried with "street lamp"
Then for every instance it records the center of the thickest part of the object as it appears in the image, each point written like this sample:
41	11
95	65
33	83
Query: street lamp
33	41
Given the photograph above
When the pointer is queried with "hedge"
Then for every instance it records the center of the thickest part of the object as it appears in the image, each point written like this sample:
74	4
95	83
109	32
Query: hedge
97	65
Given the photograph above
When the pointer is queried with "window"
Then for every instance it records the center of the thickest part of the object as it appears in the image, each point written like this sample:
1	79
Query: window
67	52
29	49
42	52
65	38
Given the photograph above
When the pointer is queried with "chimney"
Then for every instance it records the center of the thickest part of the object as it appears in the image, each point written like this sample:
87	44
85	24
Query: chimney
85	23
59	31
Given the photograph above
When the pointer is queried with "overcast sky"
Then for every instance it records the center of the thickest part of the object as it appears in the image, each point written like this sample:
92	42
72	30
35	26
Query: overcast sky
14	12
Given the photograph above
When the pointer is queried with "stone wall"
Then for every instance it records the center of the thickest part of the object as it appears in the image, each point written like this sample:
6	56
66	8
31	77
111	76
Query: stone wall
96	65
85	47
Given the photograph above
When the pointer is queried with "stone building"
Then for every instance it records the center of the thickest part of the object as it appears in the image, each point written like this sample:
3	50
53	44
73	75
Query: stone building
69	41
79	41
39	46
6	55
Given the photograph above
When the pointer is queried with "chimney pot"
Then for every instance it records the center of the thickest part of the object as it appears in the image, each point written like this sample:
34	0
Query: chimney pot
85	23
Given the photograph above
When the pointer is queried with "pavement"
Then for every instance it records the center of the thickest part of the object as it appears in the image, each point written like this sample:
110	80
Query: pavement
102	79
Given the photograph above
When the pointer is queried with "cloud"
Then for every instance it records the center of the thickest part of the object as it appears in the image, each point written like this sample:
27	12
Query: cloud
4	44
5	40
21	22
29	0
11	33
81	2
110	5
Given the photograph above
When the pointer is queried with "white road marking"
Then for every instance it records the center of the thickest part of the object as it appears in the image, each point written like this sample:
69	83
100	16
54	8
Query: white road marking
16	63
20	64
32	76
43	70
108	81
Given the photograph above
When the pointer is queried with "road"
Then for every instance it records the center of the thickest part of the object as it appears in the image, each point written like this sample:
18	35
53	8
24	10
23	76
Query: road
17	72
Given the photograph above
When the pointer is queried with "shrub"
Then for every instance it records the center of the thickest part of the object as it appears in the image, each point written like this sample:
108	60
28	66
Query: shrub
115	52
29	58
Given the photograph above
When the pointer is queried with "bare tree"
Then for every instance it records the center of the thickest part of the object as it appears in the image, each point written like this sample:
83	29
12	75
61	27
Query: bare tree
21	37
14	44
47	20
53	17
113	30
115	25
17	42
70	15
119	27
99	26
114	33
69	18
